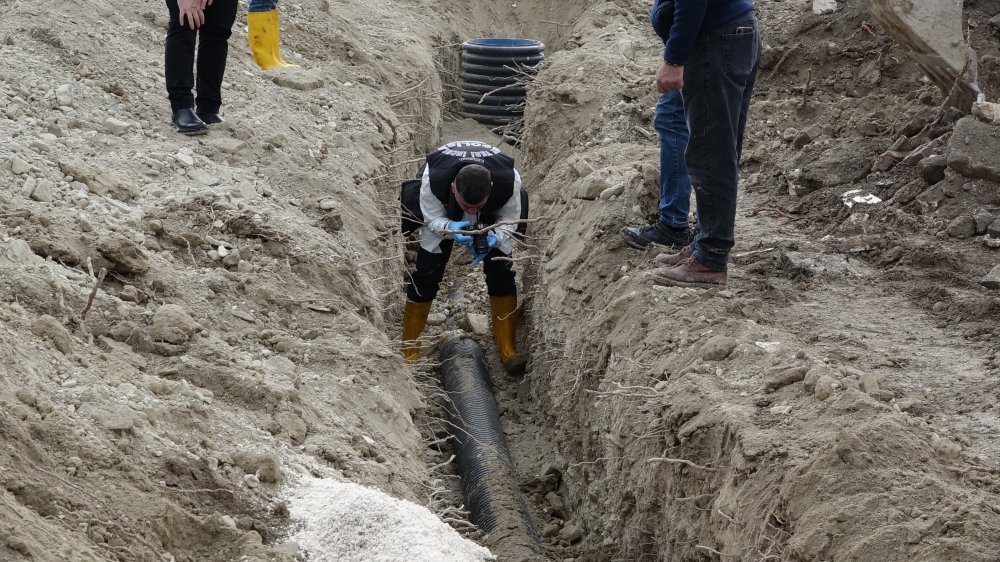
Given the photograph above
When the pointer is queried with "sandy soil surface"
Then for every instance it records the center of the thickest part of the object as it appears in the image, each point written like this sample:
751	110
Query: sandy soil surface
838	402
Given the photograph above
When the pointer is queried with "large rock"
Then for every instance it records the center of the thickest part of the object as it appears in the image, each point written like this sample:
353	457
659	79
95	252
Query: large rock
172	324
932	168
100	182
843	163
992	279
51	329
972	150
987	112
124	255
296	79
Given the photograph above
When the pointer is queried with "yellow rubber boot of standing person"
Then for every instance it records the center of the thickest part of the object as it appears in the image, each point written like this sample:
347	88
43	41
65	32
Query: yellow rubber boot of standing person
277	41
264	34
505	317
414	319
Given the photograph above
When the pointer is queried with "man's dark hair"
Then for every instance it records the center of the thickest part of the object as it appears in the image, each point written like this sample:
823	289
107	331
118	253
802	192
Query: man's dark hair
473	183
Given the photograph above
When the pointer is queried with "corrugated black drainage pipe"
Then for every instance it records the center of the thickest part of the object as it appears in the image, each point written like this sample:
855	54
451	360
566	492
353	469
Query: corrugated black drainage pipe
494	73
489	483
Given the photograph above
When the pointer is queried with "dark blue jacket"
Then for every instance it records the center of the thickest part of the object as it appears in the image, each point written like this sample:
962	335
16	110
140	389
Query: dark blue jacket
680	22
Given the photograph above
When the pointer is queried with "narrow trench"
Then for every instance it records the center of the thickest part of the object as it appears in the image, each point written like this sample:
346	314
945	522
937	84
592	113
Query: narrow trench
537	465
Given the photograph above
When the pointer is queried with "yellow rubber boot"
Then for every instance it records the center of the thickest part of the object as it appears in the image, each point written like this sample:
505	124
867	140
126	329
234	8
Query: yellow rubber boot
277	41
263	35
414	319
505	317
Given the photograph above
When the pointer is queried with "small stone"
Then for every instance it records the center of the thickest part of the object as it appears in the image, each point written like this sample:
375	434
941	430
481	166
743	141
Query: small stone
556	502
43	191
228	521
203	177
983	222
571	534
869	385
436	319
247	191
808	135
19	166
612	192
288	548
718	348
251	481
478	324
946	447
332	221
226	145
118	417
327	204
814	374
824	387
550	530
130	293
27	396
185	159
822	7
125	255
780	377
592	187
117	126
48	327
243	315
64	95
994	228
987	112
992	279
932	168
28	187
232	260
962	227
172	324
20	252
972	149
296	80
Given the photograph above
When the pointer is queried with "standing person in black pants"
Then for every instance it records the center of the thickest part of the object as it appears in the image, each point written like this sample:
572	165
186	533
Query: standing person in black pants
210	22
711	54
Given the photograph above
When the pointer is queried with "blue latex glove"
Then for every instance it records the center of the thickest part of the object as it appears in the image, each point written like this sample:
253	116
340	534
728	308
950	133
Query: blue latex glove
491	239
463	239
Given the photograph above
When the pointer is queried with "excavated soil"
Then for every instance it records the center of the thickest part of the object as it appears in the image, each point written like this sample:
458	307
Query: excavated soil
194	329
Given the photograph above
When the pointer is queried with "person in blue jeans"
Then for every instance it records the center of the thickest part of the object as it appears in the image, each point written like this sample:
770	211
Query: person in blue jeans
711	54
671	228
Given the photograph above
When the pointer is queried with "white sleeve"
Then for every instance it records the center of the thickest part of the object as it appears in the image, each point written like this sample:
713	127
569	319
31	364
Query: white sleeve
435	215
511	211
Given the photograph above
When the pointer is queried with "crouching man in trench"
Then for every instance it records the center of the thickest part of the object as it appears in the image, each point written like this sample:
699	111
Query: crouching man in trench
462	184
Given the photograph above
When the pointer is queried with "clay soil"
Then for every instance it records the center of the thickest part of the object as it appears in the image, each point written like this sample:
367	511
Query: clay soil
837	402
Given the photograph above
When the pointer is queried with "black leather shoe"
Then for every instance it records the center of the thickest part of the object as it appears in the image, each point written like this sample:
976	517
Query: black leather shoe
211	118
188	122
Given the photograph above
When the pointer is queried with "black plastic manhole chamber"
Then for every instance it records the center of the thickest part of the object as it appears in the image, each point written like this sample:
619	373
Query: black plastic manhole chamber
494	74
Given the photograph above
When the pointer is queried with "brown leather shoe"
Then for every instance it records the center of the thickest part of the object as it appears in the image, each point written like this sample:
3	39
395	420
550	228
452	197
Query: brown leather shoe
675	259
690	273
